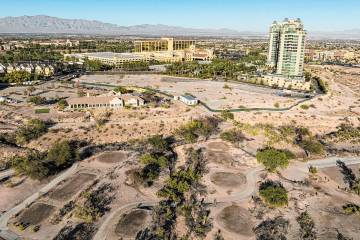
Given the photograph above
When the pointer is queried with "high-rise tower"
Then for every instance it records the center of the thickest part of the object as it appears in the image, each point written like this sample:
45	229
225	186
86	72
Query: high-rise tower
287	48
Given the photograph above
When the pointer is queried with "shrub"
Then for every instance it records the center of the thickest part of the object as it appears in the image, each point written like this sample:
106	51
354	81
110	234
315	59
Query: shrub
122	90
351	208
273	193
196	128
312	146
226	114
62	104
158	143
304	106
33	129
233	136
37	100
312	170
307	226
273	158
272	229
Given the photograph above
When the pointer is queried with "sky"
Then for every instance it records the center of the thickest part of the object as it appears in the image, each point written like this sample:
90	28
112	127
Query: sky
242	15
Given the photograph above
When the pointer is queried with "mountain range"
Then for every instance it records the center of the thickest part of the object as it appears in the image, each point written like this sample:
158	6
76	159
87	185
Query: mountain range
42	24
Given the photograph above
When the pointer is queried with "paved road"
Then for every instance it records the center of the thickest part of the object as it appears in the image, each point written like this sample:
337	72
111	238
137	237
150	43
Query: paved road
4	218
6	174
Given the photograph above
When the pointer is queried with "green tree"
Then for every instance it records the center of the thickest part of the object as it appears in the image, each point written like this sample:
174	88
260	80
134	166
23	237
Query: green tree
273	193
31	165
62	154
18	77
273	158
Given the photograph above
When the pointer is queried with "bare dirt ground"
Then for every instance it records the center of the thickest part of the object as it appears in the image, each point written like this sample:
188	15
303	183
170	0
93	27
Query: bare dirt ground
227	164
215	94
112	157
131	223
237	220
71	187
37	213
18	193
335	175
228	180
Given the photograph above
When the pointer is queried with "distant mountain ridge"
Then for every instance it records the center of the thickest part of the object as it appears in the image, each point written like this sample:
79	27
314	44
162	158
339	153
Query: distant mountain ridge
46	24
42	24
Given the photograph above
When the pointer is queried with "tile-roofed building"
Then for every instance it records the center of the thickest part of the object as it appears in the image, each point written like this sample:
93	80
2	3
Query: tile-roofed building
105	101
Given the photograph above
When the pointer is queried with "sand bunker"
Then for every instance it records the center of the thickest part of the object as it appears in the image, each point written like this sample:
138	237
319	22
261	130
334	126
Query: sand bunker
112	157
72	186
218	146
36	213
219	157
236	219
131	223
227	179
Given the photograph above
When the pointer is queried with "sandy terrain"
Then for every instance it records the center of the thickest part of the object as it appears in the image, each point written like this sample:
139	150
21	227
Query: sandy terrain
217	95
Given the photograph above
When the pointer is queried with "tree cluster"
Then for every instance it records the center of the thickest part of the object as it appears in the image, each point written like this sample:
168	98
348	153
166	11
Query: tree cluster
273	193
203	127
272	158
39	165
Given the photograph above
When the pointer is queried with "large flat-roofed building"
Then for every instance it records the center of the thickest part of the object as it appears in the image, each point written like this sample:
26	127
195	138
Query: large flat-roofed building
163	44
162	50
110	58
287	48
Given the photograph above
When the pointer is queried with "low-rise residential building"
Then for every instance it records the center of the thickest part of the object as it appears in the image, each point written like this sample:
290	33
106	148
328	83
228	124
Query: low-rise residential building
112	101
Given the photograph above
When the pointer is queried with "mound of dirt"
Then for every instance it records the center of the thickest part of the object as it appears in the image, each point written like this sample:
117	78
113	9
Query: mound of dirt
227	179
130	224
72	186
36	213
112	157
218	146
219	157
236	219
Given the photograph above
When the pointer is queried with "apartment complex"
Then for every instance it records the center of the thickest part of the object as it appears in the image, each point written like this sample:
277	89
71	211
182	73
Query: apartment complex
287	48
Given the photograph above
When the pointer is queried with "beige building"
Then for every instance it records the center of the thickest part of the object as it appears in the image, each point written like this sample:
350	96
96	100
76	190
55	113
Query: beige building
284	82
162	50
163	44
110	101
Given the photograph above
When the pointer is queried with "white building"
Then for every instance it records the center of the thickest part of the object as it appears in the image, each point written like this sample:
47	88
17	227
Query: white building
189	100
